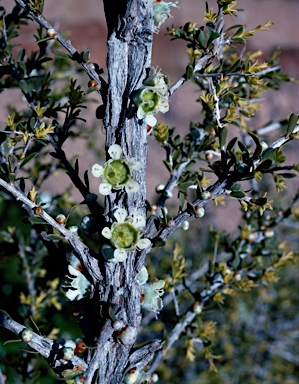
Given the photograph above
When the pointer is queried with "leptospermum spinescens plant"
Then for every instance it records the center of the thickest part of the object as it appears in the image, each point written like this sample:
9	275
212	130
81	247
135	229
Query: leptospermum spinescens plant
148	280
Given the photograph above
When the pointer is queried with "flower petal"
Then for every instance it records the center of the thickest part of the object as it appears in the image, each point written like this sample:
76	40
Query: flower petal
106	232
142	276
138	221
132	186
72	294
163	105
135	165
158	284
73	271
120	255
97	170
143	243
150	120
105	189
115	151
140	113
120	214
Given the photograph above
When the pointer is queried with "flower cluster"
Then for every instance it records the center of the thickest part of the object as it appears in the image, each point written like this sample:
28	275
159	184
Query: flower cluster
150	292
152	97
117	173
79	284
125	234
161	12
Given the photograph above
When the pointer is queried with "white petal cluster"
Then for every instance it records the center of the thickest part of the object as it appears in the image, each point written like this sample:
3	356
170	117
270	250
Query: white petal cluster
152	97
125	234
162	12
150	292
117	173
78	284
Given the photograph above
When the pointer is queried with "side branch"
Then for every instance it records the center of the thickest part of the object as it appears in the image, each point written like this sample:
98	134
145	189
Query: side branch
217	189
172	338
47	348
91	72
89	262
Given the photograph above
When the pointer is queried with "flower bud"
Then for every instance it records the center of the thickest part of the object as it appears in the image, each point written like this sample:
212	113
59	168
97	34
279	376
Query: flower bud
127	335
197	308
80	347
269	233
60	219
68	353
206	195
160	188
118	325
154	377
200	212
132	376
26	335
38	210
51	33
185	225
93	84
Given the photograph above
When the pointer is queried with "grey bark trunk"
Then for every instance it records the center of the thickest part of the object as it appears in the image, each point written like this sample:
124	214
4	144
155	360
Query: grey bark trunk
129	48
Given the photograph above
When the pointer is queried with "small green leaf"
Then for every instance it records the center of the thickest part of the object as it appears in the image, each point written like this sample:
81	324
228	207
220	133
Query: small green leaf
190	209
242	147
28	158
292	123
231	144
269	152
235	187
86	55
61	54
237	194
287	175
55	237
23	85
222	136
189	72
261	201
36	220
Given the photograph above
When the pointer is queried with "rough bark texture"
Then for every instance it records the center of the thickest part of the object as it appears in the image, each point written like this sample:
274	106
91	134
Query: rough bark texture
129	52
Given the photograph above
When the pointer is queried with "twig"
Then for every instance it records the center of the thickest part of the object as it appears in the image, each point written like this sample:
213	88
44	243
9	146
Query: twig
172	338
44	346
68	46
236	74
216	106
89	262
175	302
217	189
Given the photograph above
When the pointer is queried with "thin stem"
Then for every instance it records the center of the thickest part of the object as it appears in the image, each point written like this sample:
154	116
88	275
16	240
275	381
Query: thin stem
172	338
68	46
90	263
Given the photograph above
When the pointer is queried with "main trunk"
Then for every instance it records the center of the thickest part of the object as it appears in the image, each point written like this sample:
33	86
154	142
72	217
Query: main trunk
129	48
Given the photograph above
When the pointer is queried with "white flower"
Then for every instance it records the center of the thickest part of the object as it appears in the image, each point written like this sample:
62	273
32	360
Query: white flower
117	173
125	234
150	292
79	284
152	97
162	12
